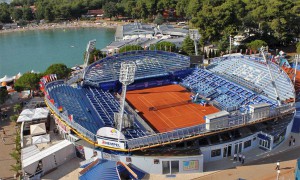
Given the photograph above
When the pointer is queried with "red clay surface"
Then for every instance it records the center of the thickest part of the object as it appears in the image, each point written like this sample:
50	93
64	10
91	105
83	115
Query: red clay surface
290	72
170	118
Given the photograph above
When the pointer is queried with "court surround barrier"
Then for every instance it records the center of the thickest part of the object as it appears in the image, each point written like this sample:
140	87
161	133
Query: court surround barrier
234	121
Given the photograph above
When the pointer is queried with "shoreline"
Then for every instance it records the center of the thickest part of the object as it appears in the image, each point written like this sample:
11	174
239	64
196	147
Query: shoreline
66	25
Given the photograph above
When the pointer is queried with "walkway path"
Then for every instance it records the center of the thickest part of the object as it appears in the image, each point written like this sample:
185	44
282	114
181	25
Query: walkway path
259	165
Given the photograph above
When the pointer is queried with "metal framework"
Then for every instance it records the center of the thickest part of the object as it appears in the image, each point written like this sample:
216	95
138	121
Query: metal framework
195	36
262	50
127	72
297	58
89	48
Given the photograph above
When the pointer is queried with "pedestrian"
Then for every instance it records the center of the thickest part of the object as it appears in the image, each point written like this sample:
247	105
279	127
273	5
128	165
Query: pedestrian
290	143
277	166
243	159
294	140
240	157
4	133
235	157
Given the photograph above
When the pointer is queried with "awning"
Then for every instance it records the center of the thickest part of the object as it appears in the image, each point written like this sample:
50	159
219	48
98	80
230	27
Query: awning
37	129
41	139
33	114
6	79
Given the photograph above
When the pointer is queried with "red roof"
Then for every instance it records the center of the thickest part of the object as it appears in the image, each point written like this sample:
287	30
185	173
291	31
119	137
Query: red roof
95	12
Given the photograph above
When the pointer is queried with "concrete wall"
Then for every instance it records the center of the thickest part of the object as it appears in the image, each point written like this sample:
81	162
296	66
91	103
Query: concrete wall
206	151
146	163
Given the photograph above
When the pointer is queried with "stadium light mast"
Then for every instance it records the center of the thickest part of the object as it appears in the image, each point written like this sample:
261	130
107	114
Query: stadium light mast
297	58
262	51
89	48
194	35
127	72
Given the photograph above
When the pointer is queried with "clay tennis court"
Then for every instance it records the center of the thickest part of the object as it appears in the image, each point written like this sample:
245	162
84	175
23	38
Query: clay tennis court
172	110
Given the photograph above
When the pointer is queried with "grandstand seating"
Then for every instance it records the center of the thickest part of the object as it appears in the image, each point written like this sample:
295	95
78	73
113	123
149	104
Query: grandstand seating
228	95
149	64
92	108
255	72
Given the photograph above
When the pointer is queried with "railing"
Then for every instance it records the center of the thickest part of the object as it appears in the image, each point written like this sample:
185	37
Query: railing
233	122
74	125
75	78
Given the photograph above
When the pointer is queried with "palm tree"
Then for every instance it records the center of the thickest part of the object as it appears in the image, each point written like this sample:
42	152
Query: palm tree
17	108
16	168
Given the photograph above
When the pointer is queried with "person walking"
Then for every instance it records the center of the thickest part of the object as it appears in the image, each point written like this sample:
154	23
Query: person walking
277	166
243	159
240	157
235	157
290	142
4	133
294	140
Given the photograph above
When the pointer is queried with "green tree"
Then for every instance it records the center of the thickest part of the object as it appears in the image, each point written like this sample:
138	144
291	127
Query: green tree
188	46
159	19
17	14
28	81
61	70
298	47
48	14
95	55
4	13
3	95
181	9
14	118
27	13
130	48
164	46
193	6
255	45
110	9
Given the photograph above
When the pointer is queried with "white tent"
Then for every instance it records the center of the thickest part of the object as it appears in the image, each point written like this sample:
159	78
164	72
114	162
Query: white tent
6	79
24	117
40	113
27	112
18	75
37	129
33	114
41	139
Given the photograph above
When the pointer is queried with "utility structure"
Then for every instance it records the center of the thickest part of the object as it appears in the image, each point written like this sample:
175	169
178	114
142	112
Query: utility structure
262	51
89	48
230	43
195	36
127	72
297	58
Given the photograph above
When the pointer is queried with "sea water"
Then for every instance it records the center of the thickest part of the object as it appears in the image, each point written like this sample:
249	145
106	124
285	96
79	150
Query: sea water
36	50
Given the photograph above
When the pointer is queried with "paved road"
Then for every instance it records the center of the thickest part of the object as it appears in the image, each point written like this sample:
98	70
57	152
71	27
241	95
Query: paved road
262	169
287	155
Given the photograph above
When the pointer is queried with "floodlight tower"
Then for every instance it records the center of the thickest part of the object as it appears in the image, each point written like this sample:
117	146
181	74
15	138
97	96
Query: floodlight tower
89	48
127	73
262	51
297	58
194	34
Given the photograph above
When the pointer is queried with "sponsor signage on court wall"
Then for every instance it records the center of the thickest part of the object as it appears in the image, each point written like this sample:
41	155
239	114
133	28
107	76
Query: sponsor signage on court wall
109	143
110	133
190	165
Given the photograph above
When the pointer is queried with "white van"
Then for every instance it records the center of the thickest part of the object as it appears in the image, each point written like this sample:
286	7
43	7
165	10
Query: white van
181	23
